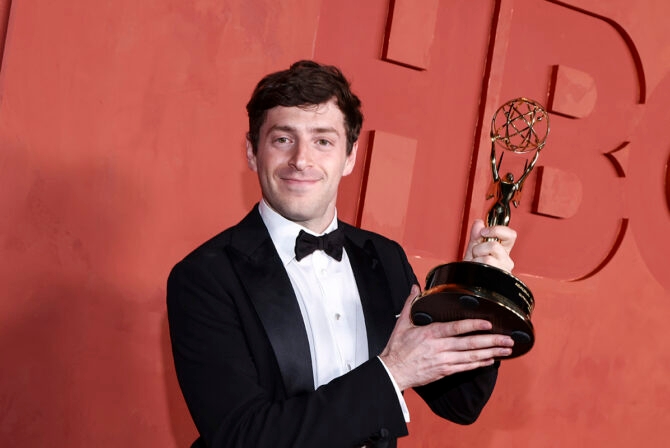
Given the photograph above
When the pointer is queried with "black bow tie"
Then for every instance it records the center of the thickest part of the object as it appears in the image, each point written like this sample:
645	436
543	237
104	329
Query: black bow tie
331	243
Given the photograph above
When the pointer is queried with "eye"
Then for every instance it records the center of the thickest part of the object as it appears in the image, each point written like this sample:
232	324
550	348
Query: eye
282	141
323	142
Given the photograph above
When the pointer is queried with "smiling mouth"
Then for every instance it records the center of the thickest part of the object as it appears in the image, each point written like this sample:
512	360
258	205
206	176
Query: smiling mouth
299	180
290	179
299	184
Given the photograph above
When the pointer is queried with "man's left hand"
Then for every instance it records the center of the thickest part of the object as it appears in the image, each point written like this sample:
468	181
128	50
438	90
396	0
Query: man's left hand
491	245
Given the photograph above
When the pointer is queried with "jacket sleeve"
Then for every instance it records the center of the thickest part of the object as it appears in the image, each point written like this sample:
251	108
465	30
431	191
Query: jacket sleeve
459	398
224	380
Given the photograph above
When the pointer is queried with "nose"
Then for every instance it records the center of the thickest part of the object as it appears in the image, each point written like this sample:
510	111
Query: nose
300	158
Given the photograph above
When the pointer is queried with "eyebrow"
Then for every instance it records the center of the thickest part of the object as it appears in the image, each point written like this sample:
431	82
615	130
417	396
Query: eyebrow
316	130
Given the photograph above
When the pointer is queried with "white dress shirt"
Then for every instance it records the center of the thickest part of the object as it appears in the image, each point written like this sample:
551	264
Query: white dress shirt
329	302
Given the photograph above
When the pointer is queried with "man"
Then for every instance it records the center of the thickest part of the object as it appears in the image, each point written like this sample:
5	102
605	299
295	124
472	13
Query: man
275	346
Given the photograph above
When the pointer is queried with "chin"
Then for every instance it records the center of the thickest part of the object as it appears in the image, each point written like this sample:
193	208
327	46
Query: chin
293	211
297	216
299	209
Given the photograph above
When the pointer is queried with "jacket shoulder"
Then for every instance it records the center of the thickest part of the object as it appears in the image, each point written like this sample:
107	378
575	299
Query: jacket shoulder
247	233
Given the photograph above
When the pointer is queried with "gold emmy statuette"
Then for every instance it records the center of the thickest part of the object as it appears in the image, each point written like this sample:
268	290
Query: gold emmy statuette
470	290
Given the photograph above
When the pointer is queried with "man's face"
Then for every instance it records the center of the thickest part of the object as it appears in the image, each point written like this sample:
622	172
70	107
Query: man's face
300	160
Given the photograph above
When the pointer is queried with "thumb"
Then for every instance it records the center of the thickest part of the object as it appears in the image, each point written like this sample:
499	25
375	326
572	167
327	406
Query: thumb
475	237
476	229
413	294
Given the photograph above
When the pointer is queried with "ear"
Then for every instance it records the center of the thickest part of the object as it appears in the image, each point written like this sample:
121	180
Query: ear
251	157
350	161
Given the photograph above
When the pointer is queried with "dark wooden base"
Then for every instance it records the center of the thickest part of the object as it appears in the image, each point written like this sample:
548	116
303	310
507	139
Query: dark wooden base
468	290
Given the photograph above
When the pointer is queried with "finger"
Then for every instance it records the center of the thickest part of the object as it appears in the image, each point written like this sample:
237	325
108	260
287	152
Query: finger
482	342
489	249
477	356
505	264
470	359
506	236
494	254
464	367
459	327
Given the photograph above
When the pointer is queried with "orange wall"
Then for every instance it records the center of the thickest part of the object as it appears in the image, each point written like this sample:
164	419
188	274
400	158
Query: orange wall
121	148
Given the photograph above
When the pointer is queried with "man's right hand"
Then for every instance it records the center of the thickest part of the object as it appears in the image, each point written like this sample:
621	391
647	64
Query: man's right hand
420	355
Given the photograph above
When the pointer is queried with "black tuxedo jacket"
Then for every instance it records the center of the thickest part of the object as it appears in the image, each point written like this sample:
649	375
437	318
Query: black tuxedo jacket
242	356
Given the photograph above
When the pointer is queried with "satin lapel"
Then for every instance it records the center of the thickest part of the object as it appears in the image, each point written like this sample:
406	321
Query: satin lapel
261	272
375	295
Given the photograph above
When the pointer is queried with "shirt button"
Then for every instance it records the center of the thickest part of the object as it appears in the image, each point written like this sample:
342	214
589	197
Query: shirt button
349	367
337	316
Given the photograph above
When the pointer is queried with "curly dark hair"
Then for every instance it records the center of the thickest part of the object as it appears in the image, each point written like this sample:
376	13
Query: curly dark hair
305	83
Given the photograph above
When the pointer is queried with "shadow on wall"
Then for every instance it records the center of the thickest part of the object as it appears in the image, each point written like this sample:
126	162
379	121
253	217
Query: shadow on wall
83	332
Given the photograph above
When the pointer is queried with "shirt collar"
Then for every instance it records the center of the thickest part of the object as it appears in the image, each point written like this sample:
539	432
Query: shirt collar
283	232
